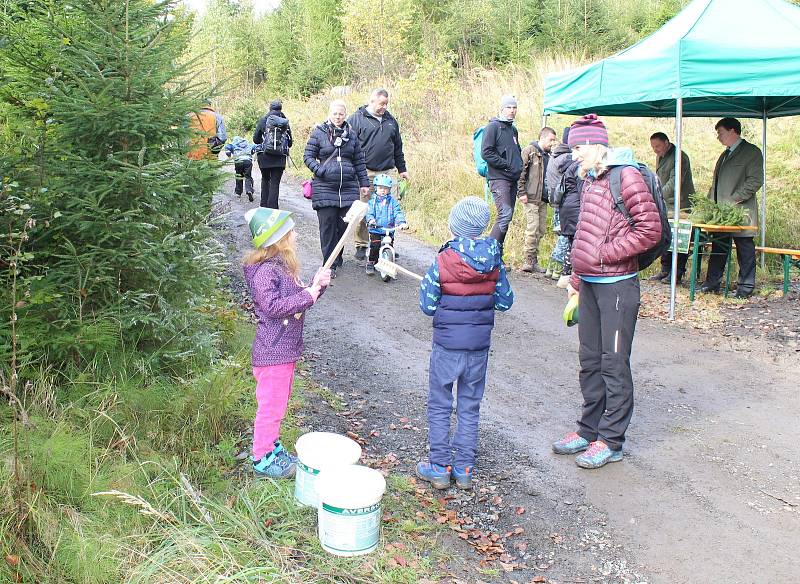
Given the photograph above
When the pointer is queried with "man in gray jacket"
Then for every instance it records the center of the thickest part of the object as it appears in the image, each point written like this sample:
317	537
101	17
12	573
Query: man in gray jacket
738	175
665	169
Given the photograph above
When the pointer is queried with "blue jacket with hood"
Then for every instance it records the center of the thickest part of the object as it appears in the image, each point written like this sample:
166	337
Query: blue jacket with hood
463	321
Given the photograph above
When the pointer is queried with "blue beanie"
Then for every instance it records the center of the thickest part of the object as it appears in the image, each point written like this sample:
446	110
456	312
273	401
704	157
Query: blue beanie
469	217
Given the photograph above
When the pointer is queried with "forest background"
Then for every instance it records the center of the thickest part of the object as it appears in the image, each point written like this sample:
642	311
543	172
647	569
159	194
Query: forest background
124	385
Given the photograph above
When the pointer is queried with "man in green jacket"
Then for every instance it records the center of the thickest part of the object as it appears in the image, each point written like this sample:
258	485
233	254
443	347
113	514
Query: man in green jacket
738	175
665	169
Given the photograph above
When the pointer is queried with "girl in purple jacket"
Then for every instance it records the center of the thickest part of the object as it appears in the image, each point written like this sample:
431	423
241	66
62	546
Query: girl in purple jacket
280	299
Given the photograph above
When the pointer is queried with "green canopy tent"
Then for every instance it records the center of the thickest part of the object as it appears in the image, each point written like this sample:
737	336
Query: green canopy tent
715	58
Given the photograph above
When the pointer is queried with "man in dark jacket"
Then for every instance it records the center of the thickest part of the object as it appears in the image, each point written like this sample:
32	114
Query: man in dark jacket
665	169
378	135
271	164
738	175
500	149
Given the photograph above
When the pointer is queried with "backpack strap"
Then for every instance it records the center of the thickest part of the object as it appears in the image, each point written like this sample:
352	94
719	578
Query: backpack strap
615	184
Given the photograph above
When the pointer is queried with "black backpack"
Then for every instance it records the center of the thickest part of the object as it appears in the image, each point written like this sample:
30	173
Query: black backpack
654	186
275	139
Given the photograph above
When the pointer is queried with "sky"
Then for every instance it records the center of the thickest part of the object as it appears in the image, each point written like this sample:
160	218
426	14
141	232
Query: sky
260	5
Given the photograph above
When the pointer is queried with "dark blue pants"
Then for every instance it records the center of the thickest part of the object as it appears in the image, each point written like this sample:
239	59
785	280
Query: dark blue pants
467	370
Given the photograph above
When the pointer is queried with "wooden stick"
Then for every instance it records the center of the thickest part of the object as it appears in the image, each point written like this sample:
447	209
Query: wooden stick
392	268
353	217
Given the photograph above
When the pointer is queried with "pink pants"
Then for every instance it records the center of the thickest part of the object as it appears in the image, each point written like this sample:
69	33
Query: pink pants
273	388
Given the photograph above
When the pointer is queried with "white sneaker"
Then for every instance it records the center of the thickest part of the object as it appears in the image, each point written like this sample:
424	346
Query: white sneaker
563	281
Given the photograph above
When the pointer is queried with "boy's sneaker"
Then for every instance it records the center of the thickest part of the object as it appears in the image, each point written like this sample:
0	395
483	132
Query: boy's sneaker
361	253
249	197
572	443
370	269
557	272
549	271
438	476
597	455
463	476
277	464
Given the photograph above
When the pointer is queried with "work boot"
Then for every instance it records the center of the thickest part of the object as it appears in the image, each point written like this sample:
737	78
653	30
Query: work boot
527	266
659	276
361	253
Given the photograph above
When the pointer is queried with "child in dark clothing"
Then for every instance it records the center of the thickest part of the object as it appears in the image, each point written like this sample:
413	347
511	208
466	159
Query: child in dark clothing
384	212
461	290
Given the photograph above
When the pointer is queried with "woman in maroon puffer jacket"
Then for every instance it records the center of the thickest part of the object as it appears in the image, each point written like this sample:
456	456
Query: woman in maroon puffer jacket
604	270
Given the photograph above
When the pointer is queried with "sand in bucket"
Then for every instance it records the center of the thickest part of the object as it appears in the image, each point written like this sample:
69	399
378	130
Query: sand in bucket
315	452
349	511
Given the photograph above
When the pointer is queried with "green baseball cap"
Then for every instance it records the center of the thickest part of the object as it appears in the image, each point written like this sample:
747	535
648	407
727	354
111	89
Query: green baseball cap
268	226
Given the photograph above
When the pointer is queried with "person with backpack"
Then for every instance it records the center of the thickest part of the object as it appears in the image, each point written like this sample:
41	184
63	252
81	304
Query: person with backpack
209	132
665	153
378	135
565	188
613	229
500	149
335	157
242	152
533	193
273	137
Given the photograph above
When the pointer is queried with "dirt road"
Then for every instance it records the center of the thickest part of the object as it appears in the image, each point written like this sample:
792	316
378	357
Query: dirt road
709	489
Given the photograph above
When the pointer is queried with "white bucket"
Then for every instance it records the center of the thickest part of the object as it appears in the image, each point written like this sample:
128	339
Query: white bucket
315	452
349	511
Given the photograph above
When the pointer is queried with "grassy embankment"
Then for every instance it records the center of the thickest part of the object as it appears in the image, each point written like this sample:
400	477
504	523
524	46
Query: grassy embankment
439	112
131	477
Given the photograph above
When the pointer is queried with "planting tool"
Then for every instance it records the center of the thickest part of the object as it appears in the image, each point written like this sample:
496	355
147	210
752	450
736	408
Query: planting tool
390	268
353	217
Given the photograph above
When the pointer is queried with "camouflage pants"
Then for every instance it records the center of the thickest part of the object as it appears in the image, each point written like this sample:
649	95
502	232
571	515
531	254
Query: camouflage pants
535	225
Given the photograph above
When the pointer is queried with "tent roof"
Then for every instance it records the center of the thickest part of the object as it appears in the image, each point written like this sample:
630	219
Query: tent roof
723	57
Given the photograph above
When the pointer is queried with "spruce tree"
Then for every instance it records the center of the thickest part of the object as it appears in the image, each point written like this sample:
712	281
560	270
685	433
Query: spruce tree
99	98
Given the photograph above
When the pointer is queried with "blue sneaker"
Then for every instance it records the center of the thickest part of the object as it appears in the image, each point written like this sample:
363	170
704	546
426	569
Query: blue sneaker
463	476
598	454
277	464
572	443
438	476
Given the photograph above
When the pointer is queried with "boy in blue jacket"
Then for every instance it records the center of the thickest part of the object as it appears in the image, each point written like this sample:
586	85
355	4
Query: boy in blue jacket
383	211
461	290
242	152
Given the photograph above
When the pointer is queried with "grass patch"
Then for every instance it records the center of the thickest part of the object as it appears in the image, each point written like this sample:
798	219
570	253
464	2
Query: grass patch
133	478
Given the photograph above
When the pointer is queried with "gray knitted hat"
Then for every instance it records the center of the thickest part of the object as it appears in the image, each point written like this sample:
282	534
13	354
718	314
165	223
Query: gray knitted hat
508	100
469	217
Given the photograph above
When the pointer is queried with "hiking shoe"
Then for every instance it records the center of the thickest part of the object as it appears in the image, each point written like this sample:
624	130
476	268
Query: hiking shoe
598	454
463	476
572	443
361	253
277	464
370	269
249	197
527	266
659	277
438	476
563	281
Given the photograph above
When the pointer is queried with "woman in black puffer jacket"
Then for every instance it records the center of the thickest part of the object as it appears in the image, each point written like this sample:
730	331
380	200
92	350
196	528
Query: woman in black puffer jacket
340	174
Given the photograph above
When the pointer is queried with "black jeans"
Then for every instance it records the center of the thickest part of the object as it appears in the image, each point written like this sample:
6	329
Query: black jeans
666	263
504	194
608	314
270	186
331	228
745	255
244	174
375	240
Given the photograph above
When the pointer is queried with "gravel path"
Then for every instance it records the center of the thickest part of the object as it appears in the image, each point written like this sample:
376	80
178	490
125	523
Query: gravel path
709	490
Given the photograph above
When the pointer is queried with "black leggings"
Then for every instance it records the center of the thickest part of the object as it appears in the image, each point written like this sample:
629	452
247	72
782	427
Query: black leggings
331	228
270	186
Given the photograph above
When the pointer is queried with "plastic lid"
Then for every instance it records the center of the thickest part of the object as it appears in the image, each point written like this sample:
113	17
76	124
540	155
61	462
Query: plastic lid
321	449
350	486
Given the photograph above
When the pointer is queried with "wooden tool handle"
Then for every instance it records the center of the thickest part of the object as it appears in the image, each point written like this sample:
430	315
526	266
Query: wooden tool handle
408	272
335	253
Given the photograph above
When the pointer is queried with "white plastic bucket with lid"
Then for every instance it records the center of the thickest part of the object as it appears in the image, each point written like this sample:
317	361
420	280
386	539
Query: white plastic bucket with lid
315	452
349	511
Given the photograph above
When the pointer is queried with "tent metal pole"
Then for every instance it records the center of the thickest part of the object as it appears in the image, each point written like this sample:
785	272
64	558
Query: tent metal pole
673	274
764	190
544	119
